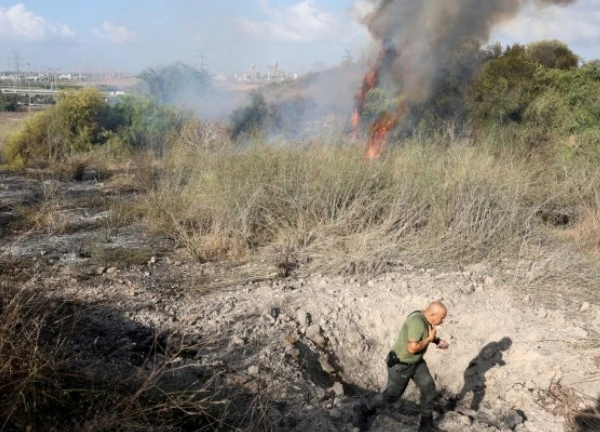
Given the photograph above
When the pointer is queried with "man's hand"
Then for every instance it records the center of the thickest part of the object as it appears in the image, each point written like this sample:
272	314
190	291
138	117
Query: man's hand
432	333
442	344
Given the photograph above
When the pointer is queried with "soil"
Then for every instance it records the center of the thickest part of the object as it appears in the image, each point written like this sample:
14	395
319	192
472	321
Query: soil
519	359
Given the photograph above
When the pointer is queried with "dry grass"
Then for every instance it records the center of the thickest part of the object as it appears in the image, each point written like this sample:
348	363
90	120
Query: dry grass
567	403
9	123
423	201
53	376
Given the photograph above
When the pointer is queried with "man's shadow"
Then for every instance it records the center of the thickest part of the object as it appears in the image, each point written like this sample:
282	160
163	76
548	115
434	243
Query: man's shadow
475	381
588	420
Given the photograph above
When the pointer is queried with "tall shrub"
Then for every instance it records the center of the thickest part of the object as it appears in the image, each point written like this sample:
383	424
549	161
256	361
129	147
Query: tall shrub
76	123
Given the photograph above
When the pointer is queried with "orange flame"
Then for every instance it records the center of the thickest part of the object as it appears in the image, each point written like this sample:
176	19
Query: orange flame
380	129
370	80
385	122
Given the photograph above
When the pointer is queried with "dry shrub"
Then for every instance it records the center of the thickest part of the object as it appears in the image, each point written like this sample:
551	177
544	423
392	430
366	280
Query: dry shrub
73	167
422	201
64	368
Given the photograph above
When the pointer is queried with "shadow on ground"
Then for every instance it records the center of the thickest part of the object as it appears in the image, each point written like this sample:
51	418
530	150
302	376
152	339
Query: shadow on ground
588	420
475	381
65	365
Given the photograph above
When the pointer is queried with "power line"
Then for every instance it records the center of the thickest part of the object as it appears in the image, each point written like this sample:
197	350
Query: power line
203	66
16	63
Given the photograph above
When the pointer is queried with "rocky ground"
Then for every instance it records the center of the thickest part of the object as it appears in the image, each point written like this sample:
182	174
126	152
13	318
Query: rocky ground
310	344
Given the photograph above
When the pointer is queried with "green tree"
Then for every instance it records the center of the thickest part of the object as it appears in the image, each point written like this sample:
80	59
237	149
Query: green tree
504	87
171	83
257	116
553	54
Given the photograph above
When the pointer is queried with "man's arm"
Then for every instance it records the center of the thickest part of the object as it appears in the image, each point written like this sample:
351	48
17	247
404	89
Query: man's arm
414	346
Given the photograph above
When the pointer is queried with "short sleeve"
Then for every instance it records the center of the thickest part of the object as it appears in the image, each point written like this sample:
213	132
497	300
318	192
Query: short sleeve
415	329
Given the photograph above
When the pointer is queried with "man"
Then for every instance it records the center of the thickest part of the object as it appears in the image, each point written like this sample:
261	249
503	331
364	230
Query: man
405	362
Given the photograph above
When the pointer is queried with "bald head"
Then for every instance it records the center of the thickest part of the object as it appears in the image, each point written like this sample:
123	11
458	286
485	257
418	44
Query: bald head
435	313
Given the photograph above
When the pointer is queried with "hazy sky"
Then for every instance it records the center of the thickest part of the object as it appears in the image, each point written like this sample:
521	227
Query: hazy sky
299	34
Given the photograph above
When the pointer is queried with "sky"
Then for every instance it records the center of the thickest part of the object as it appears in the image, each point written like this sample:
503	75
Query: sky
300	35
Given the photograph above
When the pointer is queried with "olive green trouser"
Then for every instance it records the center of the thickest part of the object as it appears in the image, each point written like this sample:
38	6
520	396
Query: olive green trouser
398	377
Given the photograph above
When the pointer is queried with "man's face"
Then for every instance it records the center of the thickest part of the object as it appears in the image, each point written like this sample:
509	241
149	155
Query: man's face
438	318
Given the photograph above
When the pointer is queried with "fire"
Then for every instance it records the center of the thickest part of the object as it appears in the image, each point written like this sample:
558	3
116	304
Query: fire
370	81
380	129
386	121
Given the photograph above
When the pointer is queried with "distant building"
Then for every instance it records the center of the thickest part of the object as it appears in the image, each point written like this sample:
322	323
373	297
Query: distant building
274	73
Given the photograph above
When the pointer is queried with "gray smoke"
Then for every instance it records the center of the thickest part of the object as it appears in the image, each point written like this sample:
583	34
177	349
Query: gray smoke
424	32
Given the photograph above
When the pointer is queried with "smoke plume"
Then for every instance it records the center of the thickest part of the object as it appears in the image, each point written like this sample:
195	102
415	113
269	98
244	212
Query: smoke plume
423	32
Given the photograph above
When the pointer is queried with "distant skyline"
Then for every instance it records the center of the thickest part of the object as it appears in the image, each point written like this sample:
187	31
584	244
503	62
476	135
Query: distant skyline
301	35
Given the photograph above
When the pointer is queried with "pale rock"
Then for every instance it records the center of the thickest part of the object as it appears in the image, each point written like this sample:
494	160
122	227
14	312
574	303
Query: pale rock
335	414
326	365
112	270
353	336
578	333
585	307
489	281
468	288
253	370
303	317
498	418
338	388
268	318
237	341
454	420
292	351
326	311
314	334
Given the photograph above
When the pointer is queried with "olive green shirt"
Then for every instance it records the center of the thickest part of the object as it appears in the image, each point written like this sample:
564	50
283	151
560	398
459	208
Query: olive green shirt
415	328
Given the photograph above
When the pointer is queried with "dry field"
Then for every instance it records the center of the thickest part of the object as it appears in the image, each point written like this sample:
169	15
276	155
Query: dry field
9	122
202	329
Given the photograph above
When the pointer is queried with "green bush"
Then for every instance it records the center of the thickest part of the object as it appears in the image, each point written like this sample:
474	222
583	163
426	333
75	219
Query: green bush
377	101
76	123
9	102
253	118
29	143
144	123
83	120
538	93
